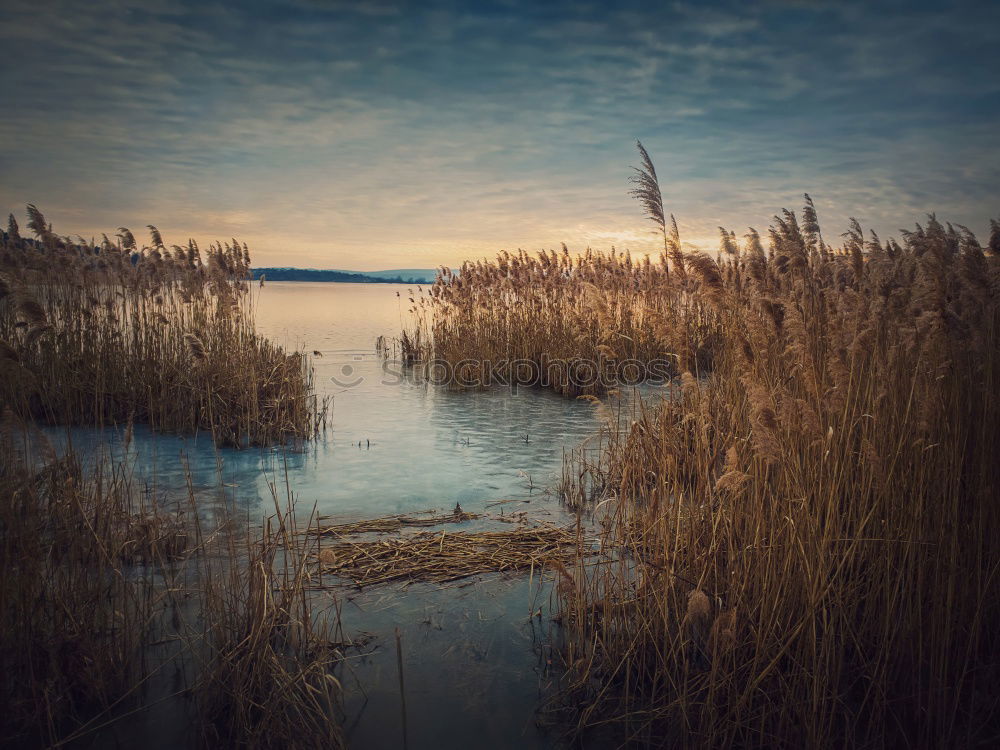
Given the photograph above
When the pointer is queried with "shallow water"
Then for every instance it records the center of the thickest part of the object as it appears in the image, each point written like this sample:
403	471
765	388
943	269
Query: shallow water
471	656
474	657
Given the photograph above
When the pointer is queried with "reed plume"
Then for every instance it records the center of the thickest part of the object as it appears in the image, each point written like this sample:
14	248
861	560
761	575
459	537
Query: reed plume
781	525
108	332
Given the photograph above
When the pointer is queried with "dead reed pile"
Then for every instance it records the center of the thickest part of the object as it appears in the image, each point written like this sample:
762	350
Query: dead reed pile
442	557
388	524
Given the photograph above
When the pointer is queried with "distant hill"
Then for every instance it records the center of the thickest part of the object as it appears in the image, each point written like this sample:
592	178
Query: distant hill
411	275
396	276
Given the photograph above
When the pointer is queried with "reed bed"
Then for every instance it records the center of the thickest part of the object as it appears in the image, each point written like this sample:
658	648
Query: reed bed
575	323
106	590
114	332
800	537
802	548
444	557
579	324
114	602
75	625
270	650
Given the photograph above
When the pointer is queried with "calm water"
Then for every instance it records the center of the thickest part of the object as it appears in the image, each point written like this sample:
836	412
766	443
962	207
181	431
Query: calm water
471	655
474	658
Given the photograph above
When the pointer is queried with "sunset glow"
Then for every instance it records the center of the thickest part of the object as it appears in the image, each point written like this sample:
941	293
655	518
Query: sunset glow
377	135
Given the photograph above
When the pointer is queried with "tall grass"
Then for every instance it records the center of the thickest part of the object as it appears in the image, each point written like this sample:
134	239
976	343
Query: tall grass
112	604
116	603
799	543
113	332
268	675
560	313
74	624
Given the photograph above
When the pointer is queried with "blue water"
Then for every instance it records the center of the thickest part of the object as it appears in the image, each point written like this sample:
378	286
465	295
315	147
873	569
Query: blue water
474	657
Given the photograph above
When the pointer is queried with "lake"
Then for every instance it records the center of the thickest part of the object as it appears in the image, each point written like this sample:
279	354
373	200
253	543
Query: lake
473	657
475	660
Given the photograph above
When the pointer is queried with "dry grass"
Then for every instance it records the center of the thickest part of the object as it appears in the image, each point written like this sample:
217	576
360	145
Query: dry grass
556	313
75	616
113	333
825	501
800	545
442	557
388	524
103	589
267	659
105	593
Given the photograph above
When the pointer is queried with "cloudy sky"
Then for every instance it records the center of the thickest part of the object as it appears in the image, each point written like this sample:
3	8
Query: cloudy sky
376	135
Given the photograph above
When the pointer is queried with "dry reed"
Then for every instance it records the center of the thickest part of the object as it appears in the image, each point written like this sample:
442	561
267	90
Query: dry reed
801	547
113	332
105	591
800	538
442	557
564	319
388	524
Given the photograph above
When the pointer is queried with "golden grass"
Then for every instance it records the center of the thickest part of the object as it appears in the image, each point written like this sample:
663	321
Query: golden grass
800	543
447	556
114	333
267	658
802	548
105	591
559	312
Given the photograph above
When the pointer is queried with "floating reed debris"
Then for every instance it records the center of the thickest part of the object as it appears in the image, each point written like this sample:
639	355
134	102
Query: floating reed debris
389	524
442	557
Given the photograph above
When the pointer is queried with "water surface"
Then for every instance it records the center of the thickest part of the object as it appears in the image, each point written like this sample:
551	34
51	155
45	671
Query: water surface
474	656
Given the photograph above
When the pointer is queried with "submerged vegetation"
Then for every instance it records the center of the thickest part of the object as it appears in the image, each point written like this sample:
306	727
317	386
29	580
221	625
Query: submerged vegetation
799	541
111	333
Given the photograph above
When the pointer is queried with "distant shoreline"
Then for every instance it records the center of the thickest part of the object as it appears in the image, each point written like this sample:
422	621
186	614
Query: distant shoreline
401	276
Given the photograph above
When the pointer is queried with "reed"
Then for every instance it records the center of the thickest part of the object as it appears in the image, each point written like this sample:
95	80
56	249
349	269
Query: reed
799	543
115	332
115	602
560	316
74	625
388	524
800	547
107	588
270	649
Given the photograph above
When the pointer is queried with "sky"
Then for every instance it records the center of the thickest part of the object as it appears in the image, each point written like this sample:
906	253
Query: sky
373	135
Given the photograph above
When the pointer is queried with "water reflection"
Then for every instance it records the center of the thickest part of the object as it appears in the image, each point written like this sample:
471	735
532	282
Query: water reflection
471	653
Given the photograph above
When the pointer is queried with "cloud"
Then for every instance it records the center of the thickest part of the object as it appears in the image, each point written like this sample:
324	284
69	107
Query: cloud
380	134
